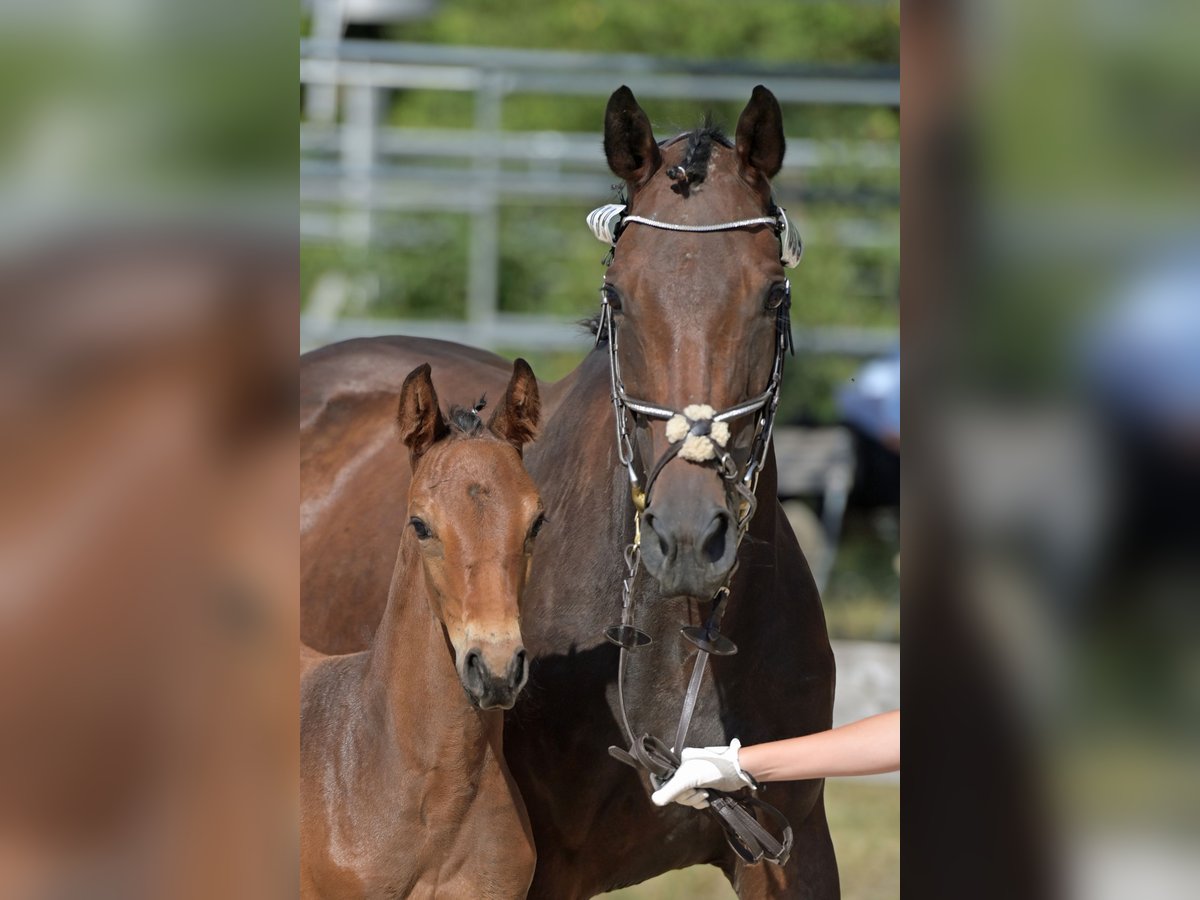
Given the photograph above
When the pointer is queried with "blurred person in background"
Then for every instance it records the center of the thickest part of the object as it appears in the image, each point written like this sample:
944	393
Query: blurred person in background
869	405
1141	364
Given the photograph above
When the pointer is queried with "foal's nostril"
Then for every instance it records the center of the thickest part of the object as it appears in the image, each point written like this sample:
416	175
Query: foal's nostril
473	669
714	541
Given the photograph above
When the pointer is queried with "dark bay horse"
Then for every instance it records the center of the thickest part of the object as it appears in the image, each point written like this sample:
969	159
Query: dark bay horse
404	789
696	313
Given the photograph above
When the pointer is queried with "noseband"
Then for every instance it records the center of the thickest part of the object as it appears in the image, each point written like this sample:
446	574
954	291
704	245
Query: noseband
698	434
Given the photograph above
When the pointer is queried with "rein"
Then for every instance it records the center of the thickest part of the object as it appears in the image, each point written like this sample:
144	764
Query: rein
698	434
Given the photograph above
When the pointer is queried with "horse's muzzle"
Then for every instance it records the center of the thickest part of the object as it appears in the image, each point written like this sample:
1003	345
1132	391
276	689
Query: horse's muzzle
689	556
488	690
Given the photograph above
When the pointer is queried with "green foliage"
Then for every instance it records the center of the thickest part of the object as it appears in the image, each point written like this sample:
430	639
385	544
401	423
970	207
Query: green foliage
417	273
765	30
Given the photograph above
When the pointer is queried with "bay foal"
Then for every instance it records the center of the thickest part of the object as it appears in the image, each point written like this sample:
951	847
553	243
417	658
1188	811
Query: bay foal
404	788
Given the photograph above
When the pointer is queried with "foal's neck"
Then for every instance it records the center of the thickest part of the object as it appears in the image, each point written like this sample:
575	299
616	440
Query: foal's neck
411	676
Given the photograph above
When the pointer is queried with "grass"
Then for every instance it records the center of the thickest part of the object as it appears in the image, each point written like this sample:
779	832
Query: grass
864	818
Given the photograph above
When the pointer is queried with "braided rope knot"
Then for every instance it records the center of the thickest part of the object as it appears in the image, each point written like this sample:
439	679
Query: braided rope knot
702	437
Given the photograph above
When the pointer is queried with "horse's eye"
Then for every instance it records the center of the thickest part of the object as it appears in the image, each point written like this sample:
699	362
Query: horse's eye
611	296
536	528
422	530
778	295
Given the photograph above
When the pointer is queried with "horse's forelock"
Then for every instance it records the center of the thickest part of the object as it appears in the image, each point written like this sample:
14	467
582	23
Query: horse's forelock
698	152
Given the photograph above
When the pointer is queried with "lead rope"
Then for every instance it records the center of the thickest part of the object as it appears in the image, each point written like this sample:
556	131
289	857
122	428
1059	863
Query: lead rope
736	815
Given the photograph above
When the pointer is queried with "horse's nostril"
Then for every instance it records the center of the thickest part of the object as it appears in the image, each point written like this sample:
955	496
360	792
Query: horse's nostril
518	669
714	544
664	545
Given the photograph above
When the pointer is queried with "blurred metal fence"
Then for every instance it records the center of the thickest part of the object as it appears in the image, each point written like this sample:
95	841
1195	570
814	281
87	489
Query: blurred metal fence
354	167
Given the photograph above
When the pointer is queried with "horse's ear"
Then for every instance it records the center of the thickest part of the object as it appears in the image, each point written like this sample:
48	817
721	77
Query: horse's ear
516	418
418	417
628	139
760	144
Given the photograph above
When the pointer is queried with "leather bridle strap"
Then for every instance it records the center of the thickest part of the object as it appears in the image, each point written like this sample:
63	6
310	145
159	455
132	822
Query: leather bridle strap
693	691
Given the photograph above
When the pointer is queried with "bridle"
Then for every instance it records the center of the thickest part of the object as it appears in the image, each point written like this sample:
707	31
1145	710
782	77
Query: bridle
699	434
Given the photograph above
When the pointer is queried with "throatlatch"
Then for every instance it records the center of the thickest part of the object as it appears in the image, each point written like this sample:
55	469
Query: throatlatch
700	435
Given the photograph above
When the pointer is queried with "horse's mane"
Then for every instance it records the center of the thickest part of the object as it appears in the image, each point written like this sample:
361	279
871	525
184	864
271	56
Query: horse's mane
592	324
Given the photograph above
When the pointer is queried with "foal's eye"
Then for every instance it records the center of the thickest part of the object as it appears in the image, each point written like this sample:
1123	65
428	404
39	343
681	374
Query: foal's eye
777	296
422	530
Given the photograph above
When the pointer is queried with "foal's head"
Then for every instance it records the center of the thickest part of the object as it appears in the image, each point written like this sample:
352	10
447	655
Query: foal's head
696	313
475	514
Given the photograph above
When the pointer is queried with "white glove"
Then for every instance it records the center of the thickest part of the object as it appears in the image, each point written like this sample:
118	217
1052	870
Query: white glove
703	767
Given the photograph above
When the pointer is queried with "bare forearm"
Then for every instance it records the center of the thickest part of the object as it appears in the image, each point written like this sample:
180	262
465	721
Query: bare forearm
865	747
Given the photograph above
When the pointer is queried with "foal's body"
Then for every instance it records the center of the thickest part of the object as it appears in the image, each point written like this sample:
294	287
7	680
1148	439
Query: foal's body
404	797
404	788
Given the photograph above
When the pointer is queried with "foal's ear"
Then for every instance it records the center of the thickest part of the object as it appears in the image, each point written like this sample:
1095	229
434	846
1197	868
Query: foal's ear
419	418
628	139
516	418
760	143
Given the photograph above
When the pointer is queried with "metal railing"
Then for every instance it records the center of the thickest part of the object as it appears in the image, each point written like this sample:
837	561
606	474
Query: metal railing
354	168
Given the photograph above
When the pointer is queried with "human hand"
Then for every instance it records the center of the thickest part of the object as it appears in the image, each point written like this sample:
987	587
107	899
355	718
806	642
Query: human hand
700	768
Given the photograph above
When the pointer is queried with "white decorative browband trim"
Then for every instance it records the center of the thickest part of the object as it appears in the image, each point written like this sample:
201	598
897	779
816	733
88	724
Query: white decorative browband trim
605	220
790	242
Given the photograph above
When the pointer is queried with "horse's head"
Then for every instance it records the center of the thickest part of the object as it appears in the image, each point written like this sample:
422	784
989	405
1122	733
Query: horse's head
475	514
697	317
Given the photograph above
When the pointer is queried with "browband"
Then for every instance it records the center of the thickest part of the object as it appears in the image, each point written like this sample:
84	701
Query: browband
607	221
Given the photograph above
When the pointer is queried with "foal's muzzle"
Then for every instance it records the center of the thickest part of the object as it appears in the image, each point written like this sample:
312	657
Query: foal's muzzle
488	690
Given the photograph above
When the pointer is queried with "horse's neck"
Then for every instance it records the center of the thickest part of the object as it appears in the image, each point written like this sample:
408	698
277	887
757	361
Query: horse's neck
411	677
553	394
574	463
576	449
